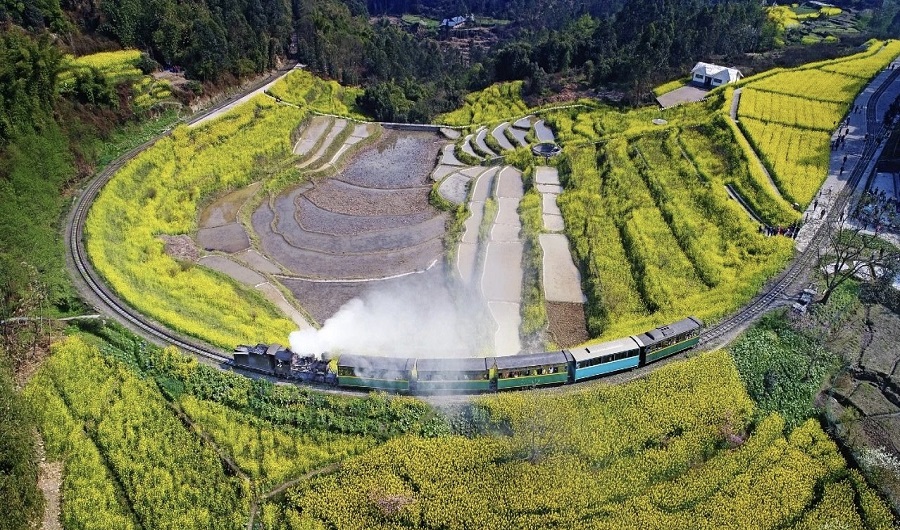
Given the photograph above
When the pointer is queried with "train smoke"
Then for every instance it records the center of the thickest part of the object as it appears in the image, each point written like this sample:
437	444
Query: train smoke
417	317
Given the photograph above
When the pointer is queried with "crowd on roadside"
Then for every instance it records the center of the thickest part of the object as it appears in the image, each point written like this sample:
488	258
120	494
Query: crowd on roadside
879	211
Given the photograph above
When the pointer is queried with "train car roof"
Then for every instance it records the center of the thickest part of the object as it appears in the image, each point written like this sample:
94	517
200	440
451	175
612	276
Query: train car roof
592	351
468	364
273	349
380	363
675	328
530	360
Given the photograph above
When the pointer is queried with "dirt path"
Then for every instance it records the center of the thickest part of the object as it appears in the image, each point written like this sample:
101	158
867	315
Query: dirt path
756	159
254	508
50	475
735	102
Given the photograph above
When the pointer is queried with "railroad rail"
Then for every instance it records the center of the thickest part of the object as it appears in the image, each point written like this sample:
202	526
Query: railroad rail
86	269
807	258
150	328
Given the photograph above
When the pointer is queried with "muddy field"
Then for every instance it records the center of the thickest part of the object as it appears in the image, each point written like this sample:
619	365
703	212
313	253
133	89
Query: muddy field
372	221
397	160
323	299
348	199
567	326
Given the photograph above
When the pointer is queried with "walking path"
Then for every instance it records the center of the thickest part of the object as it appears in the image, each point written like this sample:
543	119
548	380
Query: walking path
735	102
856	129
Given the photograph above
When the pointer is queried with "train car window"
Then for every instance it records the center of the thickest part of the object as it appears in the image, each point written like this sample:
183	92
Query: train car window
607	358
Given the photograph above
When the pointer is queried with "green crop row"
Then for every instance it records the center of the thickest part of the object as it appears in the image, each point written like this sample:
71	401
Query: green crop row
303	89
493	104
534	310
797	159
656	235
721	152
791	131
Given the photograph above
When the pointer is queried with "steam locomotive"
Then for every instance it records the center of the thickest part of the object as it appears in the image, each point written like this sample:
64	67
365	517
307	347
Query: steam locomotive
474	374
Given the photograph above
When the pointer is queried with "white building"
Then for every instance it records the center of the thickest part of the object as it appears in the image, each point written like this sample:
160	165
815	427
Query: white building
713	75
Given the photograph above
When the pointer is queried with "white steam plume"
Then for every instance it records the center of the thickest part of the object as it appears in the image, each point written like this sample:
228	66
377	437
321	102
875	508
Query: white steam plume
417	317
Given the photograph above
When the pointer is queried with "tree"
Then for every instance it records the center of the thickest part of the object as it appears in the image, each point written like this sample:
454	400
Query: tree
849	252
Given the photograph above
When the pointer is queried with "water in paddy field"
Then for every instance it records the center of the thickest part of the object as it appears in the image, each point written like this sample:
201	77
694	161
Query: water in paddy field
416	317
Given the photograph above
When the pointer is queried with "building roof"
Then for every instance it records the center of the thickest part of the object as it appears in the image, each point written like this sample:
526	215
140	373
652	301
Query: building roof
453	22
717	72
530	360
659	334
366	362
592	351
469	364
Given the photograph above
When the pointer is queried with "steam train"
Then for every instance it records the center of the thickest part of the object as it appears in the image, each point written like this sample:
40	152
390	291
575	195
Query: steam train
475	374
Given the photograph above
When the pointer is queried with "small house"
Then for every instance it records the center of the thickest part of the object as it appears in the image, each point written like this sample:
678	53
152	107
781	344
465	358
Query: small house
456	22
713	75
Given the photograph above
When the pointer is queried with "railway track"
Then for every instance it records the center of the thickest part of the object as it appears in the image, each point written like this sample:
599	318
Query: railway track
90	276
150	328
807	258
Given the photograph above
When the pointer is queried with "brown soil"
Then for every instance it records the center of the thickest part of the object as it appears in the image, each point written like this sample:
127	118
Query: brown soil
315	219
380	241
866	413
340	197
397	160
372	221
319	265
322	300
181	247
226	238
50	476
224	210
567	324
869	400
882	353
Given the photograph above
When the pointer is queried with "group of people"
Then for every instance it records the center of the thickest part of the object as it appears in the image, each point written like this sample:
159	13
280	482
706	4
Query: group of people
838	142
879	211
786	231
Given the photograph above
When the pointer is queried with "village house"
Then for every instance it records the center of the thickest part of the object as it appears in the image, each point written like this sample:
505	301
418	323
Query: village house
713	75
456	22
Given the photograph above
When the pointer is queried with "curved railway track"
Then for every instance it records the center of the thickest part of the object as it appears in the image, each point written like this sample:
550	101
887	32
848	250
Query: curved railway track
79	256
150	328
